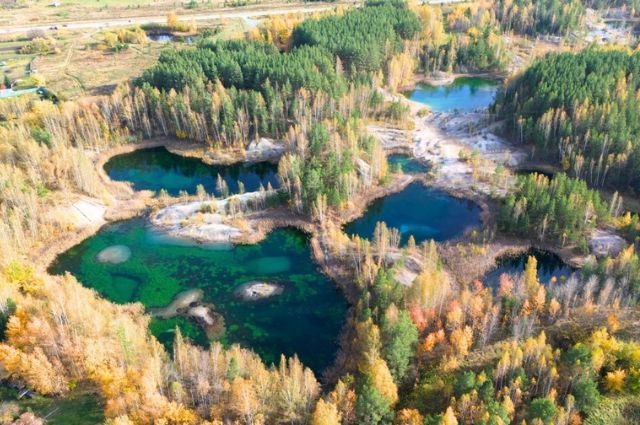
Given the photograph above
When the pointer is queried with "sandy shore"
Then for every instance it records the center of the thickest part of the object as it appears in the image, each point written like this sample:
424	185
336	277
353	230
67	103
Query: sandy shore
462	148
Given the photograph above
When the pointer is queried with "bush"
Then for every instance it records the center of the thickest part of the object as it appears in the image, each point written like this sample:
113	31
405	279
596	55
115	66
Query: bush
39	45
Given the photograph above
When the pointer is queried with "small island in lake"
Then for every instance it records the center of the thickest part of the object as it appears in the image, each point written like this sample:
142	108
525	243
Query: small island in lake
255	290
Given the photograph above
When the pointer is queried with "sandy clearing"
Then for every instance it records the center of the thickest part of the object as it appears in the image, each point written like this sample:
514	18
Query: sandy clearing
88	212
606	242
440	138
207	220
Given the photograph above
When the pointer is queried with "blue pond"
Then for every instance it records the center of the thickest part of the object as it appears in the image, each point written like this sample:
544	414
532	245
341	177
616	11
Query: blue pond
157	168
464	94
423	212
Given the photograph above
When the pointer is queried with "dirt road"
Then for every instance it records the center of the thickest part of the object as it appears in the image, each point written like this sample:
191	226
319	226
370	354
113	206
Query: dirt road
246	13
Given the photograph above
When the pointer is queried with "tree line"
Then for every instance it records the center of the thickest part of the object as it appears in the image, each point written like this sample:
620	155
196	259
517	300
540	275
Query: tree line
631	5
581	111
473	354
561	210
466	38
364	39
535	17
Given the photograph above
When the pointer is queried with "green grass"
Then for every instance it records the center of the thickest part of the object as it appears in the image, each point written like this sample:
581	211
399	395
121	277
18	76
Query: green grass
79	408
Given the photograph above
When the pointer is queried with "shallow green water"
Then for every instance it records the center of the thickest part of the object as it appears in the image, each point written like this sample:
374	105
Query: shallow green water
306	319
423	212
406	163
549	266
464	94
157	168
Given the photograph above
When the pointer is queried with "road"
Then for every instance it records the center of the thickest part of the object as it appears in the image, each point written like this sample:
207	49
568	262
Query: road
160	19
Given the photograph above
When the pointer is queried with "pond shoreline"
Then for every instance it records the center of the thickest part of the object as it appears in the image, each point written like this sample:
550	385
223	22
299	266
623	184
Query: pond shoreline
441	78
438	138
468	267
120	201
123	202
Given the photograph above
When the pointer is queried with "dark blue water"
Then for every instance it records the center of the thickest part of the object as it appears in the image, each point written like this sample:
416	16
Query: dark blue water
464	94
549	266
526	171
423	212
157	168
168	38
160	38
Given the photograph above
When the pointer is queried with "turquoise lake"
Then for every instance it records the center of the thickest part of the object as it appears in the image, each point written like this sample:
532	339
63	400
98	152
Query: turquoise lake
305	319
421	211
406	163
465	94
157	168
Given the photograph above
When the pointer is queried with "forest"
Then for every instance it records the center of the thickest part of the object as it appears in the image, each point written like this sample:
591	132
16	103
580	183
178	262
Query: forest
534	17
435	352
464	39
467	38
580	111
245	65
363	39
562	210
630	5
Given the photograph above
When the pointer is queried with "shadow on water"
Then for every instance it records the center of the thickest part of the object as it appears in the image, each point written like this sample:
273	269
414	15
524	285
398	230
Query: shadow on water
549	266
157	168
526	171
305	319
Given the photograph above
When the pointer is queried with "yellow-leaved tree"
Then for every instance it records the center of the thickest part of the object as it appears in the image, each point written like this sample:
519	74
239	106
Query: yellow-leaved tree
383	381
325	413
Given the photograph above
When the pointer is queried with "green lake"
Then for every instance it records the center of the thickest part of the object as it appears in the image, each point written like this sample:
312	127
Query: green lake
406	163
157	168
424	212
465	94
549	266
305	319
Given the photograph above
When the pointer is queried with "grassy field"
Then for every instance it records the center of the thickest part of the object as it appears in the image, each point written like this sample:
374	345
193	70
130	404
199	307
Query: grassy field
41	12
84	66
81	407
14	64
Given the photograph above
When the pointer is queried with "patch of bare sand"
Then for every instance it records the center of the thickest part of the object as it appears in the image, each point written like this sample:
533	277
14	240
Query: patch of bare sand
446	140
88	212
209	220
